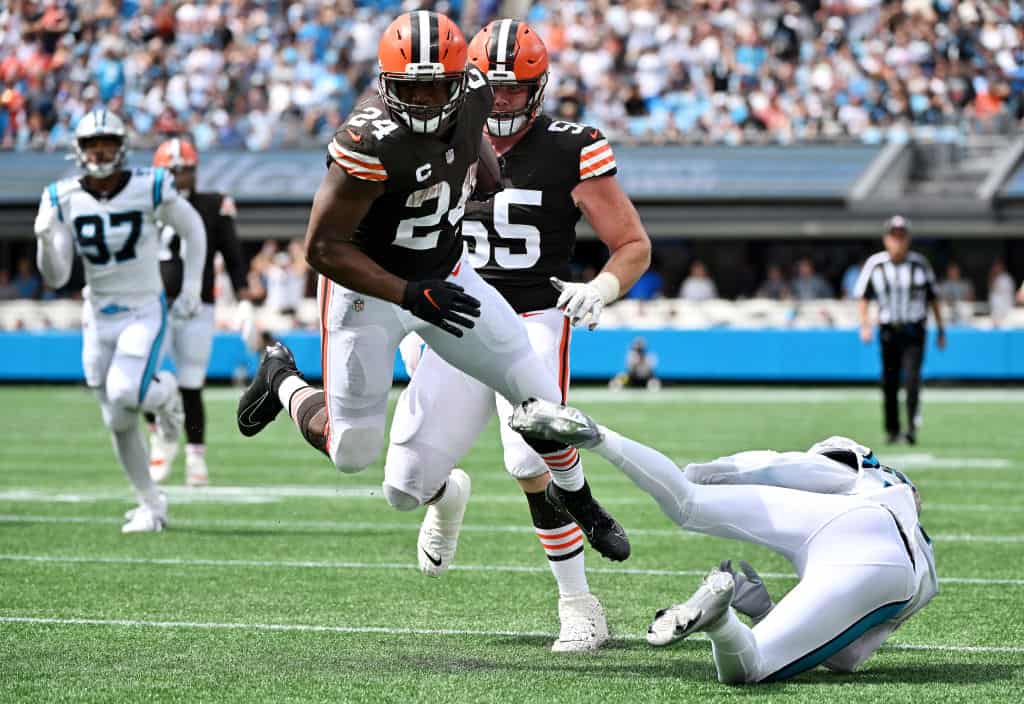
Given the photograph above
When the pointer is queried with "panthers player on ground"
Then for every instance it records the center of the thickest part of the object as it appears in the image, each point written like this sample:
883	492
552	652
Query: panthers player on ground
109	216
517	240
848	525
191	340
385	234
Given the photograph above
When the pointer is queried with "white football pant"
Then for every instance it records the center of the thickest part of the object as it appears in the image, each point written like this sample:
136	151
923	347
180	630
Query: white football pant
442	411
359	337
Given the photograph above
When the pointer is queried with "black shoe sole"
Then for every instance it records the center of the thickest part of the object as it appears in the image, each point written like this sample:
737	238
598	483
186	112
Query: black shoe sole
617	550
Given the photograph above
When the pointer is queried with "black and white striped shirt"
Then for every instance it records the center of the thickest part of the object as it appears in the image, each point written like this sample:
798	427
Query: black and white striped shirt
902	290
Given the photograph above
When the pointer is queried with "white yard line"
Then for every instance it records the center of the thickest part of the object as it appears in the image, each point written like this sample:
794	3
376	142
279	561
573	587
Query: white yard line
386	630
342	526
737	394
401	566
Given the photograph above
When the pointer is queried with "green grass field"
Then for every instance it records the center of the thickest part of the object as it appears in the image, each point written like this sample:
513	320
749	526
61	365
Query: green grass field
285	581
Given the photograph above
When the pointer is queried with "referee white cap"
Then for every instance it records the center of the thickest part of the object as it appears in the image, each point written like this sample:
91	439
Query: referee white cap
897	222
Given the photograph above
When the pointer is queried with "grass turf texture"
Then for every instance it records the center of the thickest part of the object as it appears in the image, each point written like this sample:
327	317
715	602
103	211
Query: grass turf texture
311	594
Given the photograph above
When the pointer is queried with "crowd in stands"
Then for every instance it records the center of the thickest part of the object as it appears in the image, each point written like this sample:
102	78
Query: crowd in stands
262	74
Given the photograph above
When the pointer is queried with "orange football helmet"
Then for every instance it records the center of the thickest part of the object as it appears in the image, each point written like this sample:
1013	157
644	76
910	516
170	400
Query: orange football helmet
510	52
175	154
419	49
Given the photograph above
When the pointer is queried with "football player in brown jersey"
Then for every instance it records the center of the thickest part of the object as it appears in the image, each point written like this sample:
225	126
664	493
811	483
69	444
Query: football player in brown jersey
521	241
191	339
385	233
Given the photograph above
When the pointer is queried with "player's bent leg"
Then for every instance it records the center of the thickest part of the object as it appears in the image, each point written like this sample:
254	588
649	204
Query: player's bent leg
858	578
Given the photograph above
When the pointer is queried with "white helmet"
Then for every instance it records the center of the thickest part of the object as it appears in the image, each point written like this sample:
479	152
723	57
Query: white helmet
843	449
100	123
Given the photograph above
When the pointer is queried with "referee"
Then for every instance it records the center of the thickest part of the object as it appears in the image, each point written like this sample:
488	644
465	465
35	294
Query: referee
903	284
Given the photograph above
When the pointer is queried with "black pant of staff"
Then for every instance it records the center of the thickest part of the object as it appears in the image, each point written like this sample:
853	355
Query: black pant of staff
902	353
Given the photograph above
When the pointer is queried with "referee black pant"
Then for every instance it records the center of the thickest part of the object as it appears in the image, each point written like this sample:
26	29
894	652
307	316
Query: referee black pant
902	355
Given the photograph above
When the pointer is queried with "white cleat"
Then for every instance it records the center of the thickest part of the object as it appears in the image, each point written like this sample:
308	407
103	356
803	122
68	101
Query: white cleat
146	518
707	605
584	628
439	537
550	421
196	474
161	457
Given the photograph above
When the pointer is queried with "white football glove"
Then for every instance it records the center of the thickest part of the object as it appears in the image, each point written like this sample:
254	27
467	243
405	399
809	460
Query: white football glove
750	596
186	305
579	301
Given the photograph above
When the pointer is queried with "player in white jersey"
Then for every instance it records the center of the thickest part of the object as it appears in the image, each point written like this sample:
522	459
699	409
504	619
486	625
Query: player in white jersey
848	525
108	217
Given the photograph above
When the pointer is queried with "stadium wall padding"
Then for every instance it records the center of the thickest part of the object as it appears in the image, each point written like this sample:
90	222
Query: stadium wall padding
702	355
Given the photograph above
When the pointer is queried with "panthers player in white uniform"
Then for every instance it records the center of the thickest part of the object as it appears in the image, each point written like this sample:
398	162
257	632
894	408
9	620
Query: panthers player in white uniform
108	217
848	525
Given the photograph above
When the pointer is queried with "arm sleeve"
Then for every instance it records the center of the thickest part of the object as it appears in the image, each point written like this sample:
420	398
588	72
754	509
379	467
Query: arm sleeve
353	150
789	470
596	155
229	245
179	214
863	287
55	254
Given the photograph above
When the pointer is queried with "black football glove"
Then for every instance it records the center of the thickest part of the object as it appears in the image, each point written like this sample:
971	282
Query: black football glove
750	597
441	303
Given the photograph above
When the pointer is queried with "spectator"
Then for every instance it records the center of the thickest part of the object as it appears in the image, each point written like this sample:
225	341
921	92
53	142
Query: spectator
774	286
8	291
808	285
698	286
27	281
285	283
639	373
956	291
849	280
1000	292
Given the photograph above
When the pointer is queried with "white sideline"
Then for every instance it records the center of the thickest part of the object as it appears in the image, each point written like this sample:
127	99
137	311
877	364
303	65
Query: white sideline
347	565
388	526
384	630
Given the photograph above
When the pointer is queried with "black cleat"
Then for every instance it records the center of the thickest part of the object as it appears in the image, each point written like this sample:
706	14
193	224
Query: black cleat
911	438
603	532
259	404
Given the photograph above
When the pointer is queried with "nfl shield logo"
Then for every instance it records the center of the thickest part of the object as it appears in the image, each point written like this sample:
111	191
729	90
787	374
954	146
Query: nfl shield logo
449	156
358	304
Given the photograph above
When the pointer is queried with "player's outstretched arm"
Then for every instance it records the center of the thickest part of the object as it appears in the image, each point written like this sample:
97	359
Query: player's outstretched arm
340	204
611	213
55	248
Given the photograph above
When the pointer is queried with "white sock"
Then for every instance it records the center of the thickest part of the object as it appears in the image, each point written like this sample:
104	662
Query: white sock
650	470
194	449
571	576
566	468
447	505
130	447
288	387
734	647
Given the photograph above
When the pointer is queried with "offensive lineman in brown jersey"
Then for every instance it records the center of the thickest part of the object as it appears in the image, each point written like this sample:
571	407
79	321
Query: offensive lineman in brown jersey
192	339
518	240
385	233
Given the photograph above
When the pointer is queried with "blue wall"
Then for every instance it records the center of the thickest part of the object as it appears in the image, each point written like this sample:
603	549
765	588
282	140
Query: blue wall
710	355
